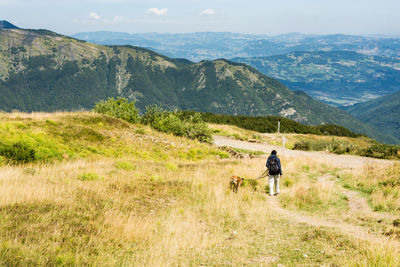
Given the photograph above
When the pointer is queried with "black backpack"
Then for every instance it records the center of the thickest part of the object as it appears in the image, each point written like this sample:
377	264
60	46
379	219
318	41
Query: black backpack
273	166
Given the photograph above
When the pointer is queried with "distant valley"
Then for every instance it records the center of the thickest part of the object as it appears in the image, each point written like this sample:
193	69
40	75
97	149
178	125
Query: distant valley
337	77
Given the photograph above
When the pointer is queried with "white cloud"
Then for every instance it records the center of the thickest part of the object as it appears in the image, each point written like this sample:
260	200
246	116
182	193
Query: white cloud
94	16
207	12
157	11
118	19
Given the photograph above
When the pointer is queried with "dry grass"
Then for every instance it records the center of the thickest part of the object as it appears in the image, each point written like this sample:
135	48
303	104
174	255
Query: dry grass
131	211
155	215
312	187
236	132
291	138
381	184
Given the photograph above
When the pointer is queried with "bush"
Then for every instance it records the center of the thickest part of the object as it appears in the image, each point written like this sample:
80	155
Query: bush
18	153
173	122
302	145
120	108
382	151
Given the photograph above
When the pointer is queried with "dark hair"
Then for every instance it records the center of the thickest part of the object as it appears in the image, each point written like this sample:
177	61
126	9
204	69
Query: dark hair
273	152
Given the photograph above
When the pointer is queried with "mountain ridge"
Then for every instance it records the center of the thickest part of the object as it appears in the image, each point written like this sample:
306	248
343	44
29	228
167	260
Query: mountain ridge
7	25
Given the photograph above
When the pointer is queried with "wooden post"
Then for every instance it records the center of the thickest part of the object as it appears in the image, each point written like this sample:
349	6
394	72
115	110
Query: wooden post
283	145
279	126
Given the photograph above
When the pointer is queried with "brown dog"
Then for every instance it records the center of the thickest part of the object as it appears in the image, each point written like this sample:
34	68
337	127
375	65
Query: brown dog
236	181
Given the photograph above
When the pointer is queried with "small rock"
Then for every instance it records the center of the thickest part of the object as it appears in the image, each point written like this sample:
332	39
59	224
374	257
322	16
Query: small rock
305	255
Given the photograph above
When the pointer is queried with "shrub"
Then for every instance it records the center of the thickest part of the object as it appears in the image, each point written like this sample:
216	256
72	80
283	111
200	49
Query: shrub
120	108
173	122
18	153
383	151
302	145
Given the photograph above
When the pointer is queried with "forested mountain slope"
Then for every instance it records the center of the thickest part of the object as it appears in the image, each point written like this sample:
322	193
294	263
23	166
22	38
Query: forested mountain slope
382	113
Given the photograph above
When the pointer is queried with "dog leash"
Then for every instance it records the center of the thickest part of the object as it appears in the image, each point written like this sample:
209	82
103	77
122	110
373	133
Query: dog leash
262	176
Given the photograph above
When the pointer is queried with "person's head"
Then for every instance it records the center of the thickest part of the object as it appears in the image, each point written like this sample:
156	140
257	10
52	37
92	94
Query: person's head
273	152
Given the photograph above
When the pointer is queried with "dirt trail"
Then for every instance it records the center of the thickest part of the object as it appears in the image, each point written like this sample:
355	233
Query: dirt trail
355	231
357	204
343	161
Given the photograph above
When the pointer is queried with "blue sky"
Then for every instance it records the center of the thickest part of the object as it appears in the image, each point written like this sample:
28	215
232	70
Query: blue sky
176	16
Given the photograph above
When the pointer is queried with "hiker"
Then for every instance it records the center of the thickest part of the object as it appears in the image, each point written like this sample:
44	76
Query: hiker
274	171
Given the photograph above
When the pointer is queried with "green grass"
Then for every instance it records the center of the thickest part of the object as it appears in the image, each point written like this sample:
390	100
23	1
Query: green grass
125	165
82	135
88	176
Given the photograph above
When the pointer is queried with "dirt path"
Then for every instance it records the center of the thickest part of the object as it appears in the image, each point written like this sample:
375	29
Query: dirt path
357	204
355	231
343	161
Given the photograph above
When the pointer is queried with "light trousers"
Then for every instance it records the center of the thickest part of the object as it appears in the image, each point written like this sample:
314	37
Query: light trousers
273	180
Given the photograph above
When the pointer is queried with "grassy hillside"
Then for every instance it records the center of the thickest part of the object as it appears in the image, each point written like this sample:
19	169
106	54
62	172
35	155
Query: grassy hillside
72	136
382	113
336	77
44	71
121	194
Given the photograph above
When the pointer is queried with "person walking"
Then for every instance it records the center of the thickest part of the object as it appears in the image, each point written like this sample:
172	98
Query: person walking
274	171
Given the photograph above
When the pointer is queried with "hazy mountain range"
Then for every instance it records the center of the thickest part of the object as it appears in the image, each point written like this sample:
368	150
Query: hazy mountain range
336	77
214	45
